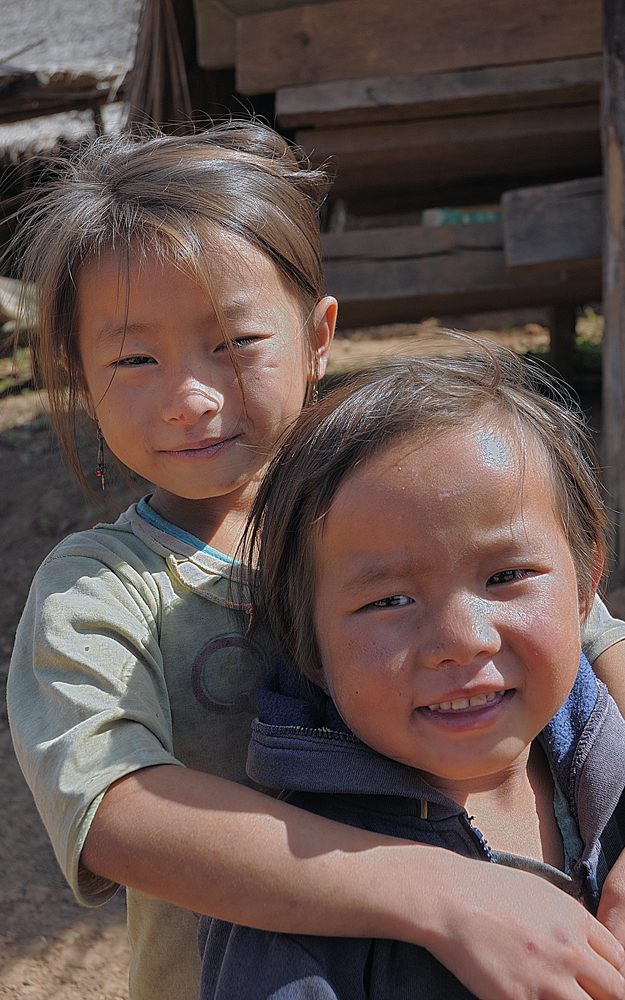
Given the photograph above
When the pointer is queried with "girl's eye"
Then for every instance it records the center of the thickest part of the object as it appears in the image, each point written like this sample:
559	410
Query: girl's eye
507	576
238	343
396	601
135	361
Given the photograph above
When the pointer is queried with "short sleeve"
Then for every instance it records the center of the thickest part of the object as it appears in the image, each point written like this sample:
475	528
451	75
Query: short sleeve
600	631
86	693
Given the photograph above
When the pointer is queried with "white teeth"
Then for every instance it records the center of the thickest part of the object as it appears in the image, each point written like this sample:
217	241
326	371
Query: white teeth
459	703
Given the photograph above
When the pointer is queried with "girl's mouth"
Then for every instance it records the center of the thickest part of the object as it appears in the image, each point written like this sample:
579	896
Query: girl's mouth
202	449
473	703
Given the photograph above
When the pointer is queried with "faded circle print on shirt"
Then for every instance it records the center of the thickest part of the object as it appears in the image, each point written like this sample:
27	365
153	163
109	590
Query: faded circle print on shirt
227	672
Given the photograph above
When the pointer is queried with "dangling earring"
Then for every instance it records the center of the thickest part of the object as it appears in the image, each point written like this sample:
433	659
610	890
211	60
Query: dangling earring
101	469
314	396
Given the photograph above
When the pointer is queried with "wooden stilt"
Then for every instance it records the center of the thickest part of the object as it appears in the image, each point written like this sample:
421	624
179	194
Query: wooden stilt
613	132
562	339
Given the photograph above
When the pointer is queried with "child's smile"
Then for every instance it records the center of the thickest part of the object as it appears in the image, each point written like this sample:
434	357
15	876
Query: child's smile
162	383
438	570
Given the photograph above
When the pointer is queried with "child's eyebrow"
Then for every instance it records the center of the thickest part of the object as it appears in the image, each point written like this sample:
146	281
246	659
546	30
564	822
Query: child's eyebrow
114	333
378	572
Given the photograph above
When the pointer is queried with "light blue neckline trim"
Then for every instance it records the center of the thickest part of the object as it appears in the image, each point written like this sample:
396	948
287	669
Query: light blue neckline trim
148	514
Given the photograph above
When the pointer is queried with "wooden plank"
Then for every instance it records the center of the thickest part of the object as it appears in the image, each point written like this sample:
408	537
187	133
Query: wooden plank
554	225
406	273
613	128
438	150
494	88
342	39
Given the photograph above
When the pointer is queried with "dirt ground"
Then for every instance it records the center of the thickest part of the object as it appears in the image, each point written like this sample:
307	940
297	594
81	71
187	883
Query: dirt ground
50	947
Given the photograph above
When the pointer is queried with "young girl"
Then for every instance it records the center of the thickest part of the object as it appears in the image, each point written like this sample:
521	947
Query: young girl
181	304
448	701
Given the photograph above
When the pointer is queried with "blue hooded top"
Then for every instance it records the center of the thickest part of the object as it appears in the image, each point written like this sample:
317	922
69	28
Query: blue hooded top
301	745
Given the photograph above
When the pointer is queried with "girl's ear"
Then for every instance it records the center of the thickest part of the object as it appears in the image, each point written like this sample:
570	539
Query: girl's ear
324	322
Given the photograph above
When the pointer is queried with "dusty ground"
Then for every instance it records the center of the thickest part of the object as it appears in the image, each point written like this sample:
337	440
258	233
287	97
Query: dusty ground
51	948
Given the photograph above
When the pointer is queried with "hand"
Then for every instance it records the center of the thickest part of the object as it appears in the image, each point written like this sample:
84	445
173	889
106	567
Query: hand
514	936
611	910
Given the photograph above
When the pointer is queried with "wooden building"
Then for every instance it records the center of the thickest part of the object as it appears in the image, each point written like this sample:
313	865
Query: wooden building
482	115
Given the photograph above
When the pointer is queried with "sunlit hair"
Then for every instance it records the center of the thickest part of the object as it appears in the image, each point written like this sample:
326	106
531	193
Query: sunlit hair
413	399
174	197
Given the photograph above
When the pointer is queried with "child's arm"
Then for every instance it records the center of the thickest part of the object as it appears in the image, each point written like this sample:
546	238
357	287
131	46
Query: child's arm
603	643
611	910
226	850
610	668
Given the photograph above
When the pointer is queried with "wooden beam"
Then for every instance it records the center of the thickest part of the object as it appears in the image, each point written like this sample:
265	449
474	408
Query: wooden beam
339	40
432	95
613	127
562	339
406	273
441	149
554	225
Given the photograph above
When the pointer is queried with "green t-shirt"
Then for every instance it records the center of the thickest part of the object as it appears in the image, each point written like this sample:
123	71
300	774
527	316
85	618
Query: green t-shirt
129	654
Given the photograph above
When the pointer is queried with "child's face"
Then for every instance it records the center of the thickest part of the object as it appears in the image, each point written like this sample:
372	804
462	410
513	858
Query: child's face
165	392
447	605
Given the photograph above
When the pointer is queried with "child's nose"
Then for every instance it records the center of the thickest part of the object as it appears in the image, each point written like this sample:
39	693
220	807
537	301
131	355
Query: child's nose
190	400
461	633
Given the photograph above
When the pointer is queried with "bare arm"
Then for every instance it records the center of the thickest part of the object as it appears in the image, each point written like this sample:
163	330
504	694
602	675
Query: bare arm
223	849
612	906
610	668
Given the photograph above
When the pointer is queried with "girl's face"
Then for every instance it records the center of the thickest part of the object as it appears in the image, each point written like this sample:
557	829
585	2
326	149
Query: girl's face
160	380
447	605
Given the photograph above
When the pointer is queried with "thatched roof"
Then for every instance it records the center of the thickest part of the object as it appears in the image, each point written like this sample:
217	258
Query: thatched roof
95	38
62	55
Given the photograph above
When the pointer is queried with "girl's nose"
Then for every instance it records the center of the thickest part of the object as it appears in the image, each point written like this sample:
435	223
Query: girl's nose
190	401
461	633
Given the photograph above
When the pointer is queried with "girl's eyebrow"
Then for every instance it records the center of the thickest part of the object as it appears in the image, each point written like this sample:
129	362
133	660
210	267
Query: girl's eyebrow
113	333
378	572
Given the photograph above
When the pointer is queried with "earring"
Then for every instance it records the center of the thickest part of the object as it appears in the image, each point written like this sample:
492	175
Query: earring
101	469
314	396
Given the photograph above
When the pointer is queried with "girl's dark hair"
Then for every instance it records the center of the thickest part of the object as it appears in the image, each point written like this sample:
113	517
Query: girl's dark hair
407	398
173	196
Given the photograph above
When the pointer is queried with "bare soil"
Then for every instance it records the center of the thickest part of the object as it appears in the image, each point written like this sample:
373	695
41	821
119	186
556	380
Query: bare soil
50	947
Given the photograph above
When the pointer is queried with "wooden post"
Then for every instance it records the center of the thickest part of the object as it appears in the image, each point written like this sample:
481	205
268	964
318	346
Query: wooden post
613	133
562	339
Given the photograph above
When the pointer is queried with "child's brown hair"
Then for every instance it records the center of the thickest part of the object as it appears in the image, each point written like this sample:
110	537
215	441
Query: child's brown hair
407	398
169	195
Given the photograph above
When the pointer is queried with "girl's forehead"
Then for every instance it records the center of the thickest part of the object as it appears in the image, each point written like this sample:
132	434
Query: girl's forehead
490	441
228	269
459	461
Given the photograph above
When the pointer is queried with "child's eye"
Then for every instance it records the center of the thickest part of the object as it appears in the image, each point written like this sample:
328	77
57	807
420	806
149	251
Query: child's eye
238	342
135	361
507	576
396	601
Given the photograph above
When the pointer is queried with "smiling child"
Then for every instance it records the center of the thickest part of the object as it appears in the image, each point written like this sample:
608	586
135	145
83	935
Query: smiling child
437	530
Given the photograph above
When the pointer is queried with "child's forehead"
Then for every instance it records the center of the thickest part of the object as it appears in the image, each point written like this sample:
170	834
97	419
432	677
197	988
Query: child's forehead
491	438
488	458
227	268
